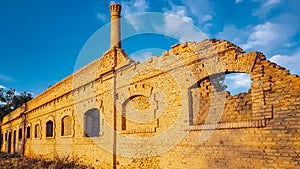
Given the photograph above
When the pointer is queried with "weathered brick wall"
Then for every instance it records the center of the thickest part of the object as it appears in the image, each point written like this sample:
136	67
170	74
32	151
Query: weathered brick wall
167	112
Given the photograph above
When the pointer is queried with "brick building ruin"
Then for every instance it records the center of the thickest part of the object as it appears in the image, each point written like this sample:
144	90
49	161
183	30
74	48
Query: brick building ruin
165	112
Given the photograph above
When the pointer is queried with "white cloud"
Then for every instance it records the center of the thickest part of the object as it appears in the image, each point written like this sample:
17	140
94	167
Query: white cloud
238	82
267	37
177	23
140	5
238	1
266	7
133	7
180	28
202	12
291	62
141	56
179	11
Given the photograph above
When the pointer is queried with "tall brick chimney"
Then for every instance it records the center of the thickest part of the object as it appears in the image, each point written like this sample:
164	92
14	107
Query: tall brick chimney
115	38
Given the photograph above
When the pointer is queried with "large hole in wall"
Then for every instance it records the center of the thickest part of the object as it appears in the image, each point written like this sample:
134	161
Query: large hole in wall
237	106
237	83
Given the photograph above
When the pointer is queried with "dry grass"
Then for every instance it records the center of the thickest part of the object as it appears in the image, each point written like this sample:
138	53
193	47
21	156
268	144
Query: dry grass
13	161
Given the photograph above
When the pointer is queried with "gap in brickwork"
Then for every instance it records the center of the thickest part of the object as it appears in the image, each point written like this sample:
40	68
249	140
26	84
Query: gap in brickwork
237	83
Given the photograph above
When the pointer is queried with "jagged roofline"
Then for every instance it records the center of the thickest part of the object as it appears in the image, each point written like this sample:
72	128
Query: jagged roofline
214	42
175	47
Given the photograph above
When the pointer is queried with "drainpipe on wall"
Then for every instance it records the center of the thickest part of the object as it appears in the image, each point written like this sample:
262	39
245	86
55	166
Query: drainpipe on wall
115	111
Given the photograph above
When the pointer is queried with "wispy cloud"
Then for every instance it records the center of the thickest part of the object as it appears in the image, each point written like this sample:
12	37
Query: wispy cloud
144	54
202	12
6	78
134	6
2	87
141	56
265	8
270	3
200	9
207	18
238	1
102	17
232	33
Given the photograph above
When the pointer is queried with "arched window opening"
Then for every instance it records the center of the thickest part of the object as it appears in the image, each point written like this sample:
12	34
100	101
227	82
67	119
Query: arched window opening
92	123
1	141
15	137
36	131
9	143
49	129
66	126
28	132
135	103
20	134
237	83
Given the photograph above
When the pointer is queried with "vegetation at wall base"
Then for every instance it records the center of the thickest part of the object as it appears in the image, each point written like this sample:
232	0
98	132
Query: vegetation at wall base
14	161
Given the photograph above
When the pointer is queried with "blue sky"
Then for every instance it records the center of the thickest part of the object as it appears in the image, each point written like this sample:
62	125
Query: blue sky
42	41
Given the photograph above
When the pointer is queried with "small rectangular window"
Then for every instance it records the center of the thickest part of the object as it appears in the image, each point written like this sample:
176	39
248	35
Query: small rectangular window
15	137
1	141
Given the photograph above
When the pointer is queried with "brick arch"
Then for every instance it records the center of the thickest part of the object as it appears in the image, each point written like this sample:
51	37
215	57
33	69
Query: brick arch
124	105
229	63
49	117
